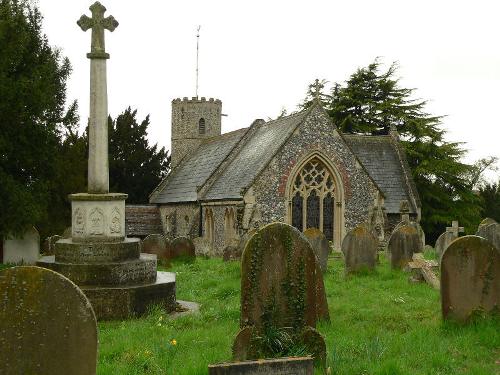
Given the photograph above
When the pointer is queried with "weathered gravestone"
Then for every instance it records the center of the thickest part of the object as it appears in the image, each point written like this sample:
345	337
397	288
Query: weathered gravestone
360	250
183	247
202	246
447	237
279	366
281	290
47	325
22	250
404	242
486	222
404	210
159	245
491	232
50	244
470	278
320	246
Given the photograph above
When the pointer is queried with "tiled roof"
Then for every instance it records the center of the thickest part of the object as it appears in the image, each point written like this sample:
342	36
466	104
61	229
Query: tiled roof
379	156
182	184
258	150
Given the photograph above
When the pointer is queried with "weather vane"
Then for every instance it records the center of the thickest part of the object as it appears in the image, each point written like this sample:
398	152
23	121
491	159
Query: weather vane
197	55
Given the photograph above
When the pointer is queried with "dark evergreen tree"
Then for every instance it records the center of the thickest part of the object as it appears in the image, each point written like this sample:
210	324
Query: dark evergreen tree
135	167
490	194
33	79
371	102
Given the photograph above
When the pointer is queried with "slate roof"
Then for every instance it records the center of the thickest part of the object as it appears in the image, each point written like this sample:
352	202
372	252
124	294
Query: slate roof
256	153
181	185
380	158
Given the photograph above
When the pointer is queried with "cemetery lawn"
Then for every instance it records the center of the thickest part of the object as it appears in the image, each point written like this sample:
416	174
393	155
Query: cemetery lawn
380	324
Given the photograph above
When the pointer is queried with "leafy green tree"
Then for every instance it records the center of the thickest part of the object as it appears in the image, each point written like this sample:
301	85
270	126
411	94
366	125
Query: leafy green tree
490	194
135	167
371	102
33	79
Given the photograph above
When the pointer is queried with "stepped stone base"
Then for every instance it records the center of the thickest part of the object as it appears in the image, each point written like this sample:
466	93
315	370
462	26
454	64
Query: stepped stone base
130	272
122	302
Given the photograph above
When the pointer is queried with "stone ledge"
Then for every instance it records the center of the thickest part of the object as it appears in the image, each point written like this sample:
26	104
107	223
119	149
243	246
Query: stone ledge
138	271
112	303
67	251
278	366
98	197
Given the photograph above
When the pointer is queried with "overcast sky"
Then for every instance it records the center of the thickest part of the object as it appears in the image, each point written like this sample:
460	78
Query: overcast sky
259	56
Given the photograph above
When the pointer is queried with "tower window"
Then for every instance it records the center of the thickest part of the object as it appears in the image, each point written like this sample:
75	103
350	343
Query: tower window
201	126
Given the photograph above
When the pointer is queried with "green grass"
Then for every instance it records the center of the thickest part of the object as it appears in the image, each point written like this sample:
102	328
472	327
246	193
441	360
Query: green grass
380	324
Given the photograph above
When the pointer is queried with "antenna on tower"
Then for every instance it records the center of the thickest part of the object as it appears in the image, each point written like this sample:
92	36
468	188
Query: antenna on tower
197	55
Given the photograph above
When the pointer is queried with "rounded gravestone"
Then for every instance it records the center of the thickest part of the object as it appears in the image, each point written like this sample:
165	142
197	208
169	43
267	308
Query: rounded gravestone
159	245
281	279
443	241
404	242
419	229
47	324
183	247
485	222
492	233
202	246
320	245
470	278
360	248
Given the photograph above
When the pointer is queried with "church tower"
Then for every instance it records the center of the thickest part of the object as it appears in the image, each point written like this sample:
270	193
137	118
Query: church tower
193	121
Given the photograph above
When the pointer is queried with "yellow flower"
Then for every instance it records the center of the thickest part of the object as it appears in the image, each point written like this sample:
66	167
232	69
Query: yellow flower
173	342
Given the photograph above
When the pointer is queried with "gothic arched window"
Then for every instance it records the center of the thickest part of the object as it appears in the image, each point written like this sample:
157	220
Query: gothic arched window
209	225
201	126
313	198
229	226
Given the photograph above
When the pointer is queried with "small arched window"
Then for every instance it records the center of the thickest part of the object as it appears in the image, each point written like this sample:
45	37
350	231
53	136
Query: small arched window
201	126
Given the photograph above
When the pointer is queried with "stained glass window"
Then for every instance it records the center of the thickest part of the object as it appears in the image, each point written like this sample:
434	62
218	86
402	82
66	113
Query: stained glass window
313	197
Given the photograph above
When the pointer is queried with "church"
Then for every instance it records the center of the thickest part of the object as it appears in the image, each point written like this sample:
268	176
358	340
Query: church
298	169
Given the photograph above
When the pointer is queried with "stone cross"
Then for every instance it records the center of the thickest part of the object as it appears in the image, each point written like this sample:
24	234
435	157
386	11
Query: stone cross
98	171
455	229
97	23
404	210
422	269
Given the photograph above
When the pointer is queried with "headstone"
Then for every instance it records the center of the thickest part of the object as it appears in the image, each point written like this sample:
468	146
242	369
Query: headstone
24	249
470	278
404	242
443	241
49	244
360	250
231	253
279	366
159	245
47	324
419	229
492	233
183	247
320	245
422	270
202	246
281	287
486	222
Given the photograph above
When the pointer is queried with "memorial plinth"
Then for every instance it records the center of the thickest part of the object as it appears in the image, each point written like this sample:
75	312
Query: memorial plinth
118	280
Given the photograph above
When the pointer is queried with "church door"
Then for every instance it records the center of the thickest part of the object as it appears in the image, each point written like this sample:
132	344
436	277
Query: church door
313	199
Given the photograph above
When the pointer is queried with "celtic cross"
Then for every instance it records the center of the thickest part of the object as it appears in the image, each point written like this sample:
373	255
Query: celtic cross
97	23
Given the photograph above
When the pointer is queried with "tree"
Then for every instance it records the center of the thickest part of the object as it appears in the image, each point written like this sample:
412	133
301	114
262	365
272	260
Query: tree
135	167
371	102
33	79
490	194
